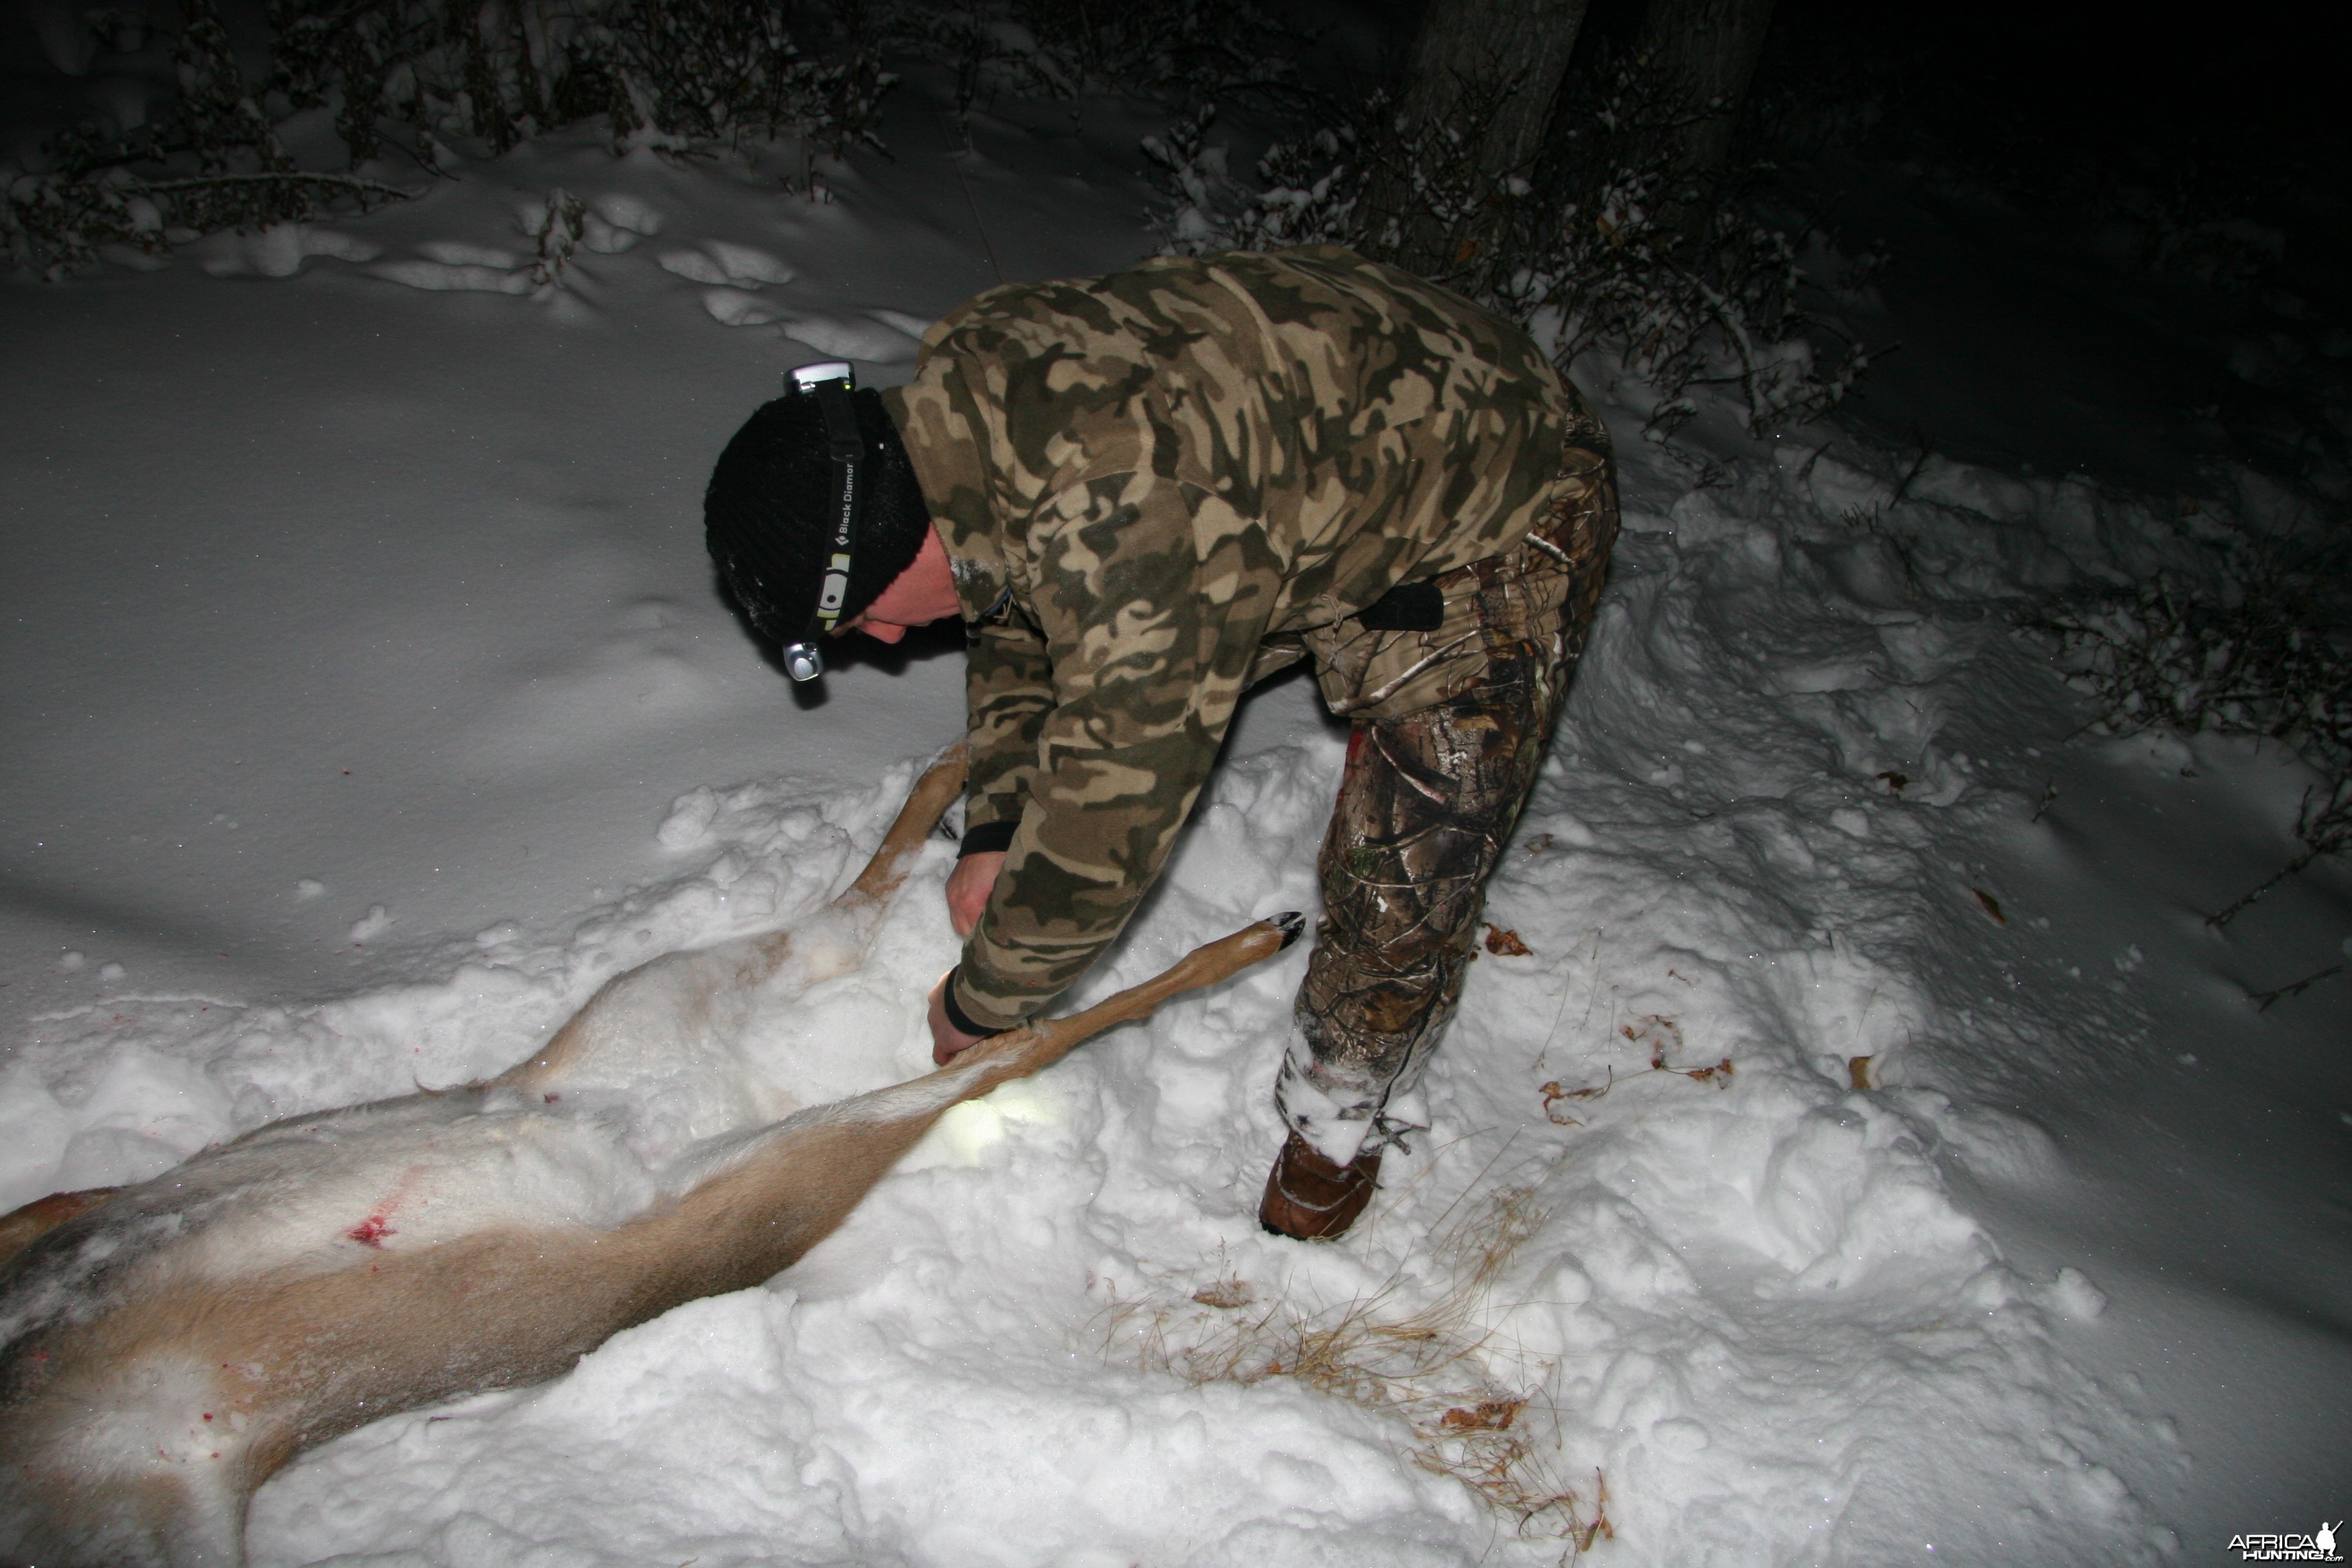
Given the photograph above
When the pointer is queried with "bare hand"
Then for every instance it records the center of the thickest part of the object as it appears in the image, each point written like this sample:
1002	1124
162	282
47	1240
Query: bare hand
969	885
948	1042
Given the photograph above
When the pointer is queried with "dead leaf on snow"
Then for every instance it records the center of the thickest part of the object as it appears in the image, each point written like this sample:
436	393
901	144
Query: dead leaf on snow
1490	1415
1505	944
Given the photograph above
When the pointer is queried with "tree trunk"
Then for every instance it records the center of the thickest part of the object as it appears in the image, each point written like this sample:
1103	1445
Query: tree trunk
1703	53
1476	96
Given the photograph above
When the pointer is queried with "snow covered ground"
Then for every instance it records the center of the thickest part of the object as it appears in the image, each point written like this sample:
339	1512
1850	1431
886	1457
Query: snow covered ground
369	702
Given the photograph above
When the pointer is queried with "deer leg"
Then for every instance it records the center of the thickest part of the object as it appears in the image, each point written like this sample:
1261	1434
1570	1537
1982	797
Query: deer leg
791	1184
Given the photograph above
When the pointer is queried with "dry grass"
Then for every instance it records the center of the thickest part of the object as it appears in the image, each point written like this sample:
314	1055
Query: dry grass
1659	1035
1425	1369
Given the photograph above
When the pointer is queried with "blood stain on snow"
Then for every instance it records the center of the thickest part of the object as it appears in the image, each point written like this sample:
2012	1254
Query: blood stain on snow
370	1231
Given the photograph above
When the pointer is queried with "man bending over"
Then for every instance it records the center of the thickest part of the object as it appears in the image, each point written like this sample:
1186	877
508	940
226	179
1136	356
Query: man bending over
1143	492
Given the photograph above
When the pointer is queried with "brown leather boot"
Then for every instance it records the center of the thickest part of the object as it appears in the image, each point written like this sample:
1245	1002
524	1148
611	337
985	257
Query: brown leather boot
1308	1198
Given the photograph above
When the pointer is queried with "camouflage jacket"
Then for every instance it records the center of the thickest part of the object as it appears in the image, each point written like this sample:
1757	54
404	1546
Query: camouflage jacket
1155	488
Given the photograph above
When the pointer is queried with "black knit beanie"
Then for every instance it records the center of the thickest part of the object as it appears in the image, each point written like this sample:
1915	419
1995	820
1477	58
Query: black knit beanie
767	511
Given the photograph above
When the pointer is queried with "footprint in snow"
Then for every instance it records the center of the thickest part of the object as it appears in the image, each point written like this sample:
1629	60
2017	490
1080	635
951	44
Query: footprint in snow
455	264
459	253
735	275
614	223
877	336
720	262
913	326
735	307
278	251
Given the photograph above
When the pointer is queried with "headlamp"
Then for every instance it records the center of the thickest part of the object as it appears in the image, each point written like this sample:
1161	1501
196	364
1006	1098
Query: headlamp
830	382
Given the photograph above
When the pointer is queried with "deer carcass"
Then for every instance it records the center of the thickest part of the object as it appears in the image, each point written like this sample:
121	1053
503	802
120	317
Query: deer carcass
166	1347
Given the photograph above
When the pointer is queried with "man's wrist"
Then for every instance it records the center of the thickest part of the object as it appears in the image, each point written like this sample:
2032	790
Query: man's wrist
988	839
956	1015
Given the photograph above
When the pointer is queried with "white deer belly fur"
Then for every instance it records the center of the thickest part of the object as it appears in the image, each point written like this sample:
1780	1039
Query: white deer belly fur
673	1038
664	1074
656	1093
410	1174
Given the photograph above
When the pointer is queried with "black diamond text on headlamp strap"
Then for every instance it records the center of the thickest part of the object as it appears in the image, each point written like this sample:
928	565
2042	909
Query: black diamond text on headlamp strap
840	415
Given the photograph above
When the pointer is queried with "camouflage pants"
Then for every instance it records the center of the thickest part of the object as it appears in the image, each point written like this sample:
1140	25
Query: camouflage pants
1427	801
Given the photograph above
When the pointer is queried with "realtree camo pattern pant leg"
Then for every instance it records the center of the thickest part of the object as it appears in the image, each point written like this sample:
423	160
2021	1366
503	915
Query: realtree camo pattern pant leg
1428	799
